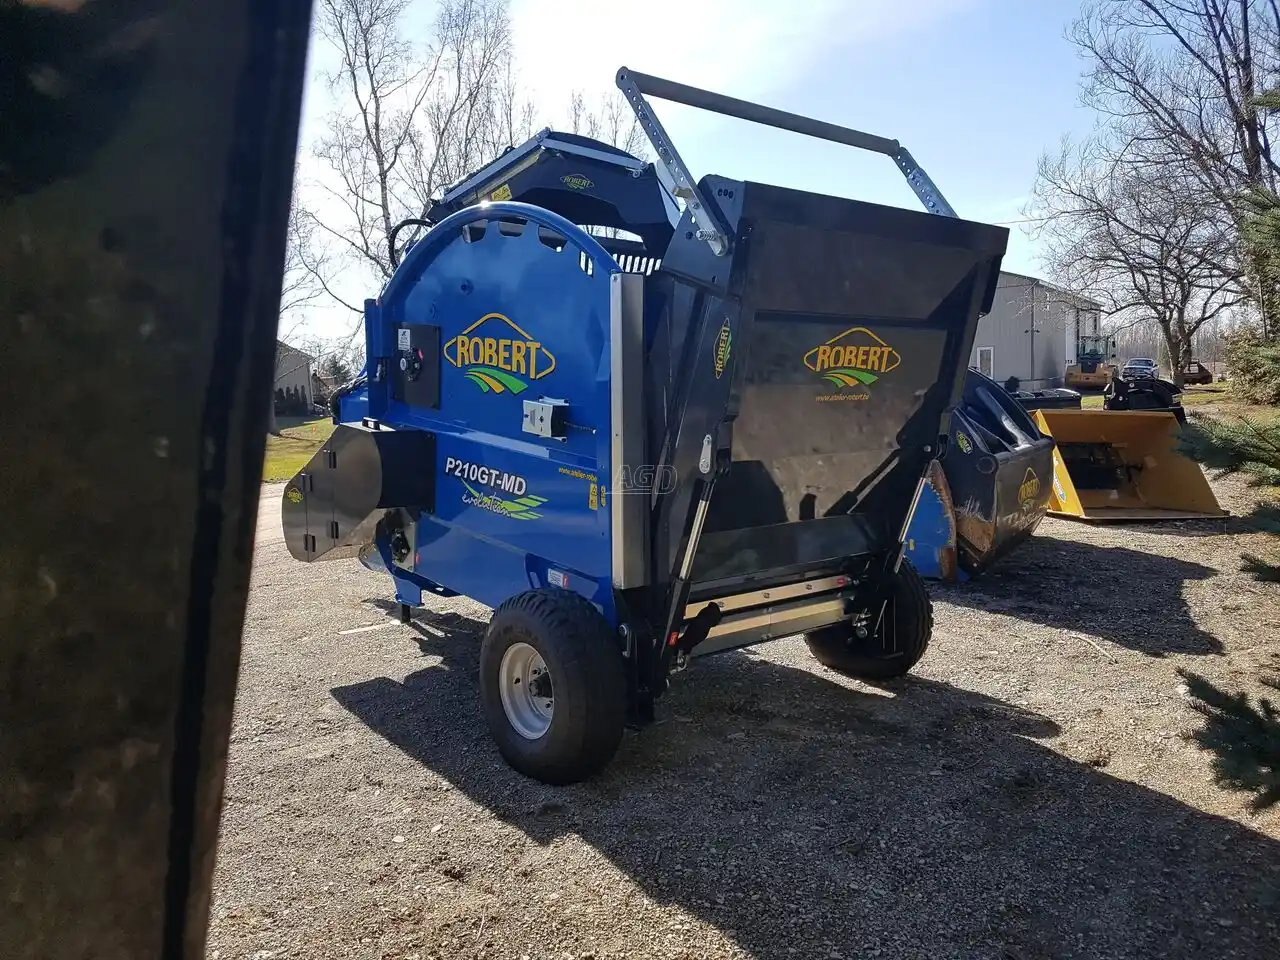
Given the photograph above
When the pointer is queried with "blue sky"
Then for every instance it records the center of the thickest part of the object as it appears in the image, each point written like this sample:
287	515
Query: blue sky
976	89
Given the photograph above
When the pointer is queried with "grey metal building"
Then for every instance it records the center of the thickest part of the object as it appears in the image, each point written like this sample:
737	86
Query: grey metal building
1032	331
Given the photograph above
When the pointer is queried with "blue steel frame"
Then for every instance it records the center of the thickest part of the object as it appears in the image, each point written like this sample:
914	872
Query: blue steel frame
532	274
932	545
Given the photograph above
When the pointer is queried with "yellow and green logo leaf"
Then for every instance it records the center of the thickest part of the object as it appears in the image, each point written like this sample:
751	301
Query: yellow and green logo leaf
518	508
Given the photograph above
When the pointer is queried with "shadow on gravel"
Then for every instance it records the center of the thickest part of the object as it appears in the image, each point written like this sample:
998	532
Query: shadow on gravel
801	815
1124	596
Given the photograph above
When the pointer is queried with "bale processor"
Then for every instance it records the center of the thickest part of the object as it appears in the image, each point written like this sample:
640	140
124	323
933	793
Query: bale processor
645	448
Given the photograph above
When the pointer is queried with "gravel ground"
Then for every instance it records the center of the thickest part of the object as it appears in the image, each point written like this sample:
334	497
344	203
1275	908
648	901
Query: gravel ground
1027	794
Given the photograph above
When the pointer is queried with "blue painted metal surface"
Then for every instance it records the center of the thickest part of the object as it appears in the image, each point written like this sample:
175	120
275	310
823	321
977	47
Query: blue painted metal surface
522	298
932	545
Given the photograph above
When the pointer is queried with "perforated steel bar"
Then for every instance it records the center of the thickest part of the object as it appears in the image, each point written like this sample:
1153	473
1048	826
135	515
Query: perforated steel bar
710	226
919	181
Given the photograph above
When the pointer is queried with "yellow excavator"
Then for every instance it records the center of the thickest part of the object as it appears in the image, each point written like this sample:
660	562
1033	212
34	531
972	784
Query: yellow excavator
1092	369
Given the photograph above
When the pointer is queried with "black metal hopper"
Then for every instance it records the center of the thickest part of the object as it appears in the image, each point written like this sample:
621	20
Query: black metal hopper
855	322
804	355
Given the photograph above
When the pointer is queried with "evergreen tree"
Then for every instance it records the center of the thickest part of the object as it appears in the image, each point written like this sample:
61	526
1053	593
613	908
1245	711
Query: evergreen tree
1241	445
336	369
1243	736
1236	445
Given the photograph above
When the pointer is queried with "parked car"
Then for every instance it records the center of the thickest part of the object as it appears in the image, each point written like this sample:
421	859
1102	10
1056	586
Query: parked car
1140	368
1196	372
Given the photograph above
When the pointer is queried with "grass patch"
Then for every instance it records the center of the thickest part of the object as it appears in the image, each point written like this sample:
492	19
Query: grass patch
1214	397
298	442
1207	395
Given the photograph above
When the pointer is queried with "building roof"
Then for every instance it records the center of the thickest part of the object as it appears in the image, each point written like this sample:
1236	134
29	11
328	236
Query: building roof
1062	293
284	349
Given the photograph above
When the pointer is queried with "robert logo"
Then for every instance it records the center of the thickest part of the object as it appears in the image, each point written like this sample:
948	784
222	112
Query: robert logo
1029	489
724	345
576	181
498	356
852	360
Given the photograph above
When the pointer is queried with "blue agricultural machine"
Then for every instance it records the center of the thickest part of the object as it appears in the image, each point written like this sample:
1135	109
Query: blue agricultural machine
648	418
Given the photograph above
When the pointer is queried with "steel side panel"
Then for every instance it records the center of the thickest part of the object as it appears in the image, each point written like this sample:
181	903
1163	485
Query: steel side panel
1130	514
491	543
492	571
628	500
547	320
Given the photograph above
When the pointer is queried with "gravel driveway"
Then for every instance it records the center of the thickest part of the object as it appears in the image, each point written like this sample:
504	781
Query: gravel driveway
1027	794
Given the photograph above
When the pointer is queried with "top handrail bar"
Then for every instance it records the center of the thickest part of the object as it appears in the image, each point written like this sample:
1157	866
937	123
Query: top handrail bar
635	86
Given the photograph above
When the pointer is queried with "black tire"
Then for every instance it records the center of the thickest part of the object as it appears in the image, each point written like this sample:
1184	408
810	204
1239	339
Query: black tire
840	649
584	663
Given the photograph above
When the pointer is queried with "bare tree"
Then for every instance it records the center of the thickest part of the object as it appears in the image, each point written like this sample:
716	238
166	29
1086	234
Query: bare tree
612	121
301	284
1176	83
407	120
1141	245
306	264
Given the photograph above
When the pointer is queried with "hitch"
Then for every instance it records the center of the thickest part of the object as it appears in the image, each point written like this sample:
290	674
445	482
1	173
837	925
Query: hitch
681	644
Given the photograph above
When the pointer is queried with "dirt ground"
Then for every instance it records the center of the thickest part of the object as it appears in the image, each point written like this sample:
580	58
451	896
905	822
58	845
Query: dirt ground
1027	794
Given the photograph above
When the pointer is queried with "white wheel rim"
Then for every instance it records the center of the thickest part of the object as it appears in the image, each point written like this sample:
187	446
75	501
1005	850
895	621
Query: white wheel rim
524	685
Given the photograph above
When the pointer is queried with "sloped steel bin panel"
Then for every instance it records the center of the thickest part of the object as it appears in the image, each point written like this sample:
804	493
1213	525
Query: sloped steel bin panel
860	318
1124	465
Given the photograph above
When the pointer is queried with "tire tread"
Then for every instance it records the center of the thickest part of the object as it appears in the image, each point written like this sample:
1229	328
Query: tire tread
584	646
830	646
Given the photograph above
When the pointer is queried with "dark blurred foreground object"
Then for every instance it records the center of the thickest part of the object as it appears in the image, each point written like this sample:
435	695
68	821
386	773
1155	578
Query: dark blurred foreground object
146	153
68	71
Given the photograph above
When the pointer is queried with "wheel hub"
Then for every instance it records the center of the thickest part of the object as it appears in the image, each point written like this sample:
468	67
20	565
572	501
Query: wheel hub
526	690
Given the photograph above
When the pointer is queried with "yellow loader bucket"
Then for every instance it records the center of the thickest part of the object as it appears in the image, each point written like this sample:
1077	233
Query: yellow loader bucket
1077	378
1123	465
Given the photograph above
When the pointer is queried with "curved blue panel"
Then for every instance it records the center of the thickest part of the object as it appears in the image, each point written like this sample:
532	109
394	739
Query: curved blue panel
522	301
443	233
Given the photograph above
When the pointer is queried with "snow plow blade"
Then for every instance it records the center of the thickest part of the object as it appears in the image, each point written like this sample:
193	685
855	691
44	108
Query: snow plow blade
1112	465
